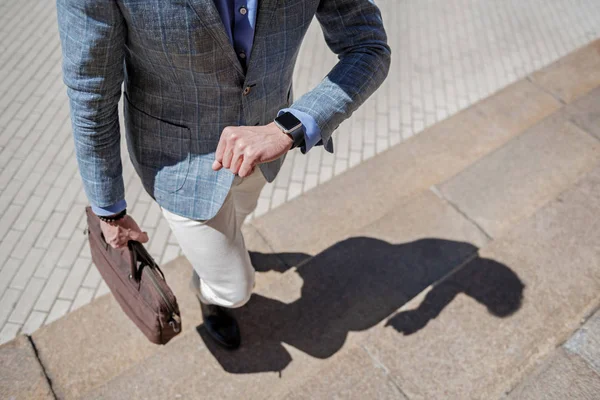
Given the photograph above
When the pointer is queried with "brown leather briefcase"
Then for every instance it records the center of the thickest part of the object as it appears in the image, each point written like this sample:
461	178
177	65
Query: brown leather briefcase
137	283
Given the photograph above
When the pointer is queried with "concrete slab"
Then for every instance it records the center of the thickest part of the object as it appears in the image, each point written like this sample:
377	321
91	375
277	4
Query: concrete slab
585	112
21	375
517	107
310	224
562	376
353	375
194	366
89	346
531	169
475	334
573	75
586	342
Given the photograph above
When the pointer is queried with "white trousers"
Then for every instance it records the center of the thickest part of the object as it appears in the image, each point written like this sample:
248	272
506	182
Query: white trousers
216	247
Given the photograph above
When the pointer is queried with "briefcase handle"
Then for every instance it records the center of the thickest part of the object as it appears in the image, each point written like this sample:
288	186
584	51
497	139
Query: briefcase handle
139	252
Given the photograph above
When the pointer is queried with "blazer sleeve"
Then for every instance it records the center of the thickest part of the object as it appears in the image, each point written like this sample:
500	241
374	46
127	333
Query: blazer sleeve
353	29
92	35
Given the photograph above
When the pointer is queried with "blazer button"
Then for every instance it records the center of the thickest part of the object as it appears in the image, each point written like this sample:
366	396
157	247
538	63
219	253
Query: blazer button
247	90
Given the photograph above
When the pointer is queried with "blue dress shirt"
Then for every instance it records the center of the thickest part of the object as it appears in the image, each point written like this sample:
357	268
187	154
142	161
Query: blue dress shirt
239	21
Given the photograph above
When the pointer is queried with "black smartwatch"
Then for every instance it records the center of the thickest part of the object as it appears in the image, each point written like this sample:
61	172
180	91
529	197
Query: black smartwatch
291	126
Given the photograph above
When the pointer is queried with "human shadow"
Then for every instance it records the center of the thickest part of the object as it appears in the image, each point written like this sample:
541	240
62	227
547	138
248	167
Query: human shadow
354	285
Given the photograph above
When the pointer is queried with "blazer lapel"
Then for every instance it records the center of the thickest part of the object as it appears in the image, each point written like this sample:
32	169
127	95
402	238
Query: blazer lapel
208	15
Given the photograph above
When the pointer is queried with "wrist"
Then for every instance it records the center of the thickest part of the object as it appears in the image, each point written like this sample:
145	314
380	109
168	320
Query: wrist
114	217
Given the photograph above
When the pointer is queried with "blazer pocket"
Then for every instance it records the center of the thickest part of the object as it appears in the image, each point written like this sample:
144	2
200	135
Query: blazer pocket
160	150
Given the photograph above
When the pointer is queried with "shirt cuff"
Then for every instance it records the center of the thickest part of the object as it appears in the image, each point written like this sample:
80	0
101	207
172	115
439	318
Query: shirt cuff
110	210
312	132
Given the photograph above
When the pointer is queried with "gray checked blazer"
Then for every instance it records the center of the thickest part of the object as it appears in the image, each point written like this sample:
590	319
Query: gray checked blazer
183	84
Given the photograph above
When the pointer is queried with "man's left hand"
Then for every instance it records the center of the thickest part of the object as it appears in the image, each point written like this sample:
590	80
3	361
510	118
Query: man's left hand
241	148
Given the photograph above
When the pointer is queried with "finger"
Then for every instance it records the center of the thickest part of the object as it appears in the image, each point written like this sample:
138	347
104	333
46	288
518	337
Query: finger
221	147
115	243
227	156
141	237
216	166
246	168
236	163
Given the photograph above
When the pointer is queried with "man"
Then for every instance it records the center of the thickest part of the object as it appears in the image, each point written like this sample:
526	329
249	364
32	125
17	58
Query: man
208	99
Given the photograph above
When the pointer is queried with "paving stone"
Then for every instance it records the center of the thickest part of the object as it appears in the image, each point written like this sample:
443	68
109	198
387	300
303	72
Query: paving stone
158	241
8	194
513	182
27	267
7	303
50	229
34	321
50	292
102	290
50	259
25	303
475	334
27	188
75	278
9	332
562	376
84	296
49	203
8	244
171	253
585	112
69	223
8	271
572	76
7	220
92	279
153	216
72	250
27	213
25	242
586	342
21	375
139	211
59	309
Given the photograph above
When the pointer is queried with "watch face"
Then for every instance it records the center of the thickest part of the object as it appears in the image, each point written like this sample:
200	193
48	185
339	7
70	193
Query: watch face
288	121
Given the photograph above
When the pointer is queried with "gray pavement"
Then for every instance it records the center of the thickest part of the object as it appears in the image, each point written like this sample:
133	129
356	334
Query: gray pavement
447	55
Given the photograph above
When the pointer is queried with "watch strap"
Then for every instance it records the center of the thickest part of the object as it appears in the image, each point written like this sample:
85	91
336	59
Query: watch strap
298	137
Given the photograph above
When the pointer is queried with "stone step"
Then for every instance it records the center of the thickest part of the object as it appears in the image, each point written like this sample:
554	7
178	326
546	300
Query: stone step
21	375
492	321
339	296
393	245
570	372
504	311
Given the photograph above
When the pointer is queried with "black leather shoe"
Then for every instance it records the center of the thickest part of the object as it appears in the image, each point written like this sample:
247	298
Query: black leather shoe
221	326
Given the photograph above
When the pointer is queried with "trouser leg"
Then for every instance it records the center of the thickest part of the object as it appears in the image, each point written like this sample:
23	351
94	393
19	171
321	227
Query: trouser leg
216	247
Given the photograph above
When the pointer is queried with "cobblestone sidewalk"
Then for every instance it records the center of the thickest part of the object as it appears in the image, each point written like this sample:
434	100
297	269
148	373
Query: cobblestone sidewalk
447	55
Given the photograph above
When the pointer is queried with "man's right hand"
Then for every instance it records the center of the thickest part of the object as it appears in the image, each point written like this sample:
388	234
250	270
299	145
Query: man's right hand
118	233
